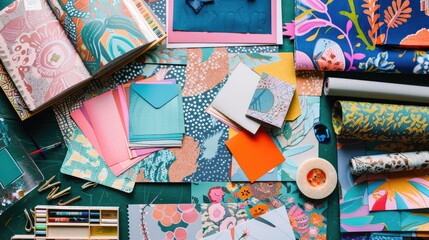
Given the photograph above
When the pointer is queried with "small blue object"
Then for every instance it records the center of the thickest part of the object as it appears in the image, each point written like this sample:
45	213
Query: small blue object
322	133
197	4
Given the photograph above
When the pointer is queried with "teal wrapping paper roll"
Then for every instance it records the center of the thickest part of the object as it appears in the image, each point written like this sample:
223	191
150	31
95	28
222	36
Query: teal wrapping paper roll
381	122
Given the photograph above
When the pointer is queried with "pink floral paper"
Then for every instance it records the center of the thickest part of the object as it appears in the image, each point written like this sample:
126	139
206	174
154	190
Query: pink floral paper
37	54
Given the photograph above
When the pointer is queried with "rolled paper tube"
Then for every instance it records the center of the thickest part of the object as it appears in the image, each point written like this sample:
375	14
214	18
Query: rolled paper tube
381	122
344	87
40	227
393	162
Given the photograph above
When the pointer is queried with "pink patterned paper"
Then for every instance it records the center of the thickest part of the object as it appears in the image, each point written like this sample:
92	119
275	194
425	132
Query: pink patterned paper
37	54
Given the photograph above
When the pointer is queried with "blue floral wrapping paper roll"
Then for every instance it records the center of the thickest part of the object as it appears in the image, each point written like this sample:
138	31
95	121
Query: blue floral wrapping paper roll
345	36
381	122
392	162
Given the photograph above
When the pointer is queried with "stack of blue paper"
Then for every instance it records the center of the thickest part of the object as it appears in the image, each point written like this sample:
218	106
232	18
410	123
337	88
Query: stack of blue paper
156	115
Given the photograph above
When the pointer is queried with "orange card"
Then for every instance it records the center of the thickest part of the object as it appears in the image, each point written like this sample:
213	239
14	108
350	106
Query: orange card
256	154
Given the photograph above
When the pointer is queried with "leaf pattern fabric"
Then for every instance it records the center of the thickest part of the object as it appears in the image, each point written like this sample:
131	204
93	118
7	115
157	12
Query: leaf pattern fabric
335	35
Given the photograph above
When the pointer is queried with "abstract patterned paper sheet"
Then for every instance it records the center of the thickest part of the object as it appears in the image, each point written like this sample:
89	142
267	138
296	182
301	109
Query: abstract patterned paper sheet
342	36
84	162
307	217
399	191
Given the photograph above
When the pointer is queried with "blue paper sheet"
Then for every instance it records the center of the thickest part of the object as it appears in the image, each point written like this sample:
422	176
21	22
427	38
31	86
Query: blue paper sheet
234	16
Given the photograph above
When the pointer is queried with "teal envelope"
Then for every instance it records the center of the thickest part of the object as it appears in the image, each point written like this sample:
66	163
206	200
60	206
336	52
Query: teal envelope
156	115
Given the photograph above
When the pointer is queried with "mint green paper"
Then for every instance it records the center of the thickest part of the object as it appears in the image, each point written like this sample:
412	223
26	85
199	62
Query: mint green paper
156	118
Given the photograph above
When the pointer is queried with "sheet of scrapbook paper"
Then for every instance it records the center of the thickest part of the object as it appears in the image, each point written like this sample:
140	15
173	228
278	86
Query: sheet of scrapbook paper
342	36
119	29
234	16
182	221
37	54
83	161
307	217
355	214
399	191
273	225
296	140
403	23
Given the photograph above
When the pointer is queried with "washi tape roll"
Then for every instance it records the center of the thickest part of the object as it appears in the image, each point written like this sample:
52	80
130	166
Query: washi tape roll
316	178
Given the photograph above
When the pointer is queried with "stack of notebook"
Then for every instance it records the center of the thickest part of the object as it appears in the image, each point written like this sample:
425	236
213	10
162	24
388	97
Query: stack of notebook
48	51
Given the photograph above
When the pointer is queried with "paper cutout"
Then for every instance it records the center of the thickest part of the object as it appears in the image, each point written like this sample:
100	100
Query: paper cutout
256	154
307	216
82	161
240	86
237	16
156	115
271	100
284	70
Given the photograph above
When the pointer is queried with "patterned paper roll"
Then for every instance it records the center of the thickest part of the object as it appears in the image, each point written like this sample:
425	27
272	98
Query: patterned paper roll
394	162
376	90
381	122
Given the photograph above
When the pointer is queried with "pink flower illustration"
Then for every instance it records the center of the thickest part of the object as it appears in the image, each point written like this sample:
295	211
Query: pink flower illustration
216	212
166	214
53	55
216	194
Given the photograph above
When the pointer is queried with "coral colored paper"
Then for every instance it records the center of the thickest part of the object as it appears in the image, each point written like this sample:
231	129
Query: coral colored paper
256	154
214	37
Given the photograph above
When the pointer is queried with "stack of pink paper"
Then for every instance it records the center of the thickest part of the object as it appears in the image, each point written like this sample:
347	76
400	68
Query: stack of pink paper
104	121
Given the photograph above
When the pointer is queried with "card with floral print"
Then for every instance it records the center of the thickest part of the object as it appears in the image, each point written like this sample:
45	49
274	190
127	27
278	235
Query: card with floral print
183	221
307	217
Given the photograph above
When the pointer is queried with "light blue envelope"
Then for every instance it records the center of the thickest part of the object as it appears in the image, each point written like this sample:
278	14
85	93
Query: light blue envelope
156	115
